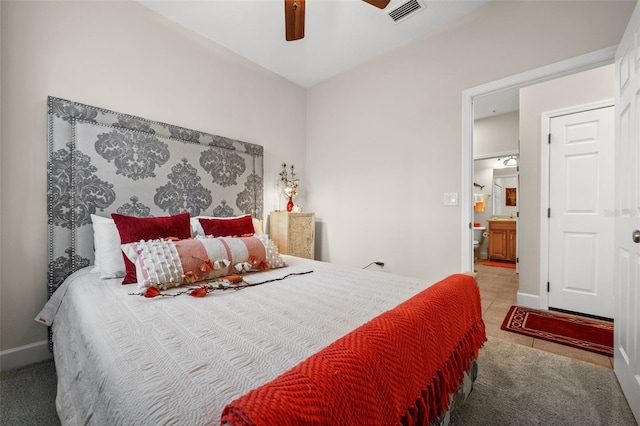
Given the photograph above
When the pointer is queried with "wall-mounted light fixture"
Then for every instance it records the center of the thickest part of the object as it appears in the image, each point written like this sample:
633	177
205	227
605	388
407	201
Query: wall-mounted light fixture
510	161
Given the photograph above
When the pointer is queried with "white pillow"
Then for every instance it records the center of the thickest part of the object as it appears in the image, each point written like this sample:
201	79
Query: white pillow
108	251
196	227
257	226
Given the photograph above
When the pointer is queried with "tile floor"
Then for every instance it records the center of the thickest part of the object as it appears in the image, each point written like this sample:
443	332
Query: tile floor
498	290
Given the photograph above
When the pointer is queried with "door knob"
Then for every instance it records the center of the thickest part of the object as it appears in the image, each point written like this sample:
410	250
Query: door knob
636	236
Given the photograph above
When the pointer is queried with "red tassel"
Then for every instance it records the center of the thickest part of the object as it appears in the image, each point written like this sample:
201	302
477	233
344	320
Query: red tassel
428	407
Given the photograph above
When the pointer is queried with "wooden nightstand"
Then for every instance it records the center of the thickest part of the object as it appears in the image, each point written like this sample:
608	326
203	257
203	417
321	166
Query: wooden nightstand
293	233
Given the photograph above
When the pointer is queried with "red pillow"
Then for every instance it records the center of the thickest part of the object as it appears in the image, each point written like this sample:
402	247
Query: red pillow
241	226
133	229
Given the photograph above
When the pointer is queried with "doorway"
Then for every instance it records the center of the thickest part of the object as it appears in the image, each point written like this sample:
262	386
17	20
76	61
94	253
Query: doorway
494	181
530	298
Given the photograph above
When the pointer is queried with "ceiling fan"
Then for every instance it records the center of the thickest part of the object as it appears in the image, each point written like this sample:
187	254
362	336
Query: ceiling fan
294	16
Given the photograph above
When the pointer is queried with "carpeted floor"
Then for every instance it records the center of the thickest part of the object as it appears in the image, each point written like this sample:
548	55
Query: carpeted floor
516	385
28	396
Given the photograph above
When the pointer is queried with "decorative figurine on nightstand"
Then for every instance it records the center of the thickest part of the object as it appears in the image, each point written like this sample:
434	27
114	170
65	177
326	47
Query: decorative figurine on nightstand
289	183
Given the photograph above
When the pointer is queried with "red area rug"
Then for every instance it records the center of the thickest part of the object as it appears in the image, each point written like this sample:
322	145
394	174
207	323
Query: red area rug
511	265
583	333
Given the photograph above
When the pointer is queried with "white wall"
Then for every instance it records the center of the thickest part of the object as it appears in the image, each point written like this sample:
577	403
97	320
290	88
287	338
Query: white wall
579	89
496	134
120	56
384	139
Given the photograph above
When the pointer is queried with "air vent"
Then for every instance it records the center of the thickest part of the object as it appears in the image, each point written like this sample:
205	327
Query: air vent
405	10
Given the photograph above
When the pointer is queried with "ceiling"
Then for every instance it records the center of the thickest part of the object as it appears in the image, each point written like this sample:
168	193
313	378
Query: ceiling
339	34
496	103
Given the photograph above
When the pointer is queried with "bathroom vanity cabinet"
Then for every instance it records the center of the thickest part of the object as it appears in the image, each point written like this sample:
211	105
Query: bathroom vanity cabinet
502	240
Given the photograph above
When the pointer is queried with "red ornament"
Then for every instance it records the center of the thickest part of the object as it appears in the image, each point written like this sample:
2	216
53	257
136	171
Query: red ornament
199	292
152	292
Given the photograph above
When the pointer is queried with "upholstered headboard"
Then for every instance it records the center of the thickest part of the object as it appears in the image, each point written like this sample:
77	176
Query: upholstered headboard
103	162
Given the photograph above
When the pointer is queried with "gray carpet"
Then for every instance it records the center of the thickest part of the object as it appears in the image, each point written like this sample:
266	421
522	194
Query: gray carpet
516	386
28	396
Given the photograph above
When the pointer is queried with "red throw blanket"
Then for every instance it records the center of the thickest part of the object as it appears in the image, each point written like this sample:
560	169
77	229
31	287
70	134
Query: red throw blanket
399	368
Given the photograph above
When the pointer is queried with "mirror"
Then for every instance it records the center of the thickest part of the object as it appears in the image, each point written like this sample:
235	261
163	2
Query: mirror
505	192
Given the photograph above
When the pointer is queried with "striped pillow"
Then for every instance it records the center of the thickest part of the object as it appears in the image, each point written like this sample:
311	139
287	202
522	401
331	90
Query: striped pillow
165	263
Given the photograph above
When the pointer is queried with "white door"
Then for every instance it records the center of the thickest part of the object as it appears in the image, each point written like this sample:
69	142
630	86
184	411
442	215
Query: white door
627	212
581	233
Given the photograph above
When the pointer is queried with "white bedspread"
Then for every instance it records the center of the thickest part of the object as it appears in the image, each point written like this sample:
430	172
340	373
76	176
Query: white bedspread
124	359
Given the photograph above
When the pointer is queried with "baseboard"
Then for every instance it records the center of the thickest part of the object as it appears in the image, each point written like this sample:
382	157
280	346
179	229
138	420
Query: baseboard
24	355
529	300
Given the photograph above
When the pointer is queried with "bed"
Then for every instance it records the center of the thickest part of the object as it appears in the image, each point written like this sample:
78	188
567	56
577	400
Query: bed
315	343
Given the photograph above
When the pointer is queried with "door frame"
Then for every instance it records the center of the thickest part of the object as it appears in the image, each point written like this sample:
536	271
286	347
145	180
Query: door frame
575	65
545	123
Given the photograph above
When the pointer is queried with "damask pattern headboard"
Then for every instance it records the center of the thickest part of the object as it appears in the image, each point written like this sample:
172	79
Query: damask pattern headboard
103	162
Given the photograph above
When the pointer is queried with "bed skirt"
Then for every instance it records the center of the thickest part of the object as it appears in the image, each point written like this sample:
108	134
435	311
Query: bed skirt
458	399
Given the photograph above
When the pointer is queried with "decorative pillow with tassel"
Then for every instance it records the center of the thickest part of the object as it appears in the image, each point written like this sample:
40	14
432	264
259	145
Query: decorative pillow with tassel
168	263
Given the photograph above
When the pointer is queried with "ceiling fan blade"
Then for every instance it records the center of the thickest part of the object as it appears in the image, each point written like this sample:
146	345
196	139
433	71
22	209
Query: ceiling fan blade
380	4
294	19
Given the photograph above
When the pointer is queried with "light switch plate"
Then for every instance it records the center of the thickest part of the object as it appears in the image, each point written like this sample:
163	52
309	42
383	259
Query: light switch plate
450	198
